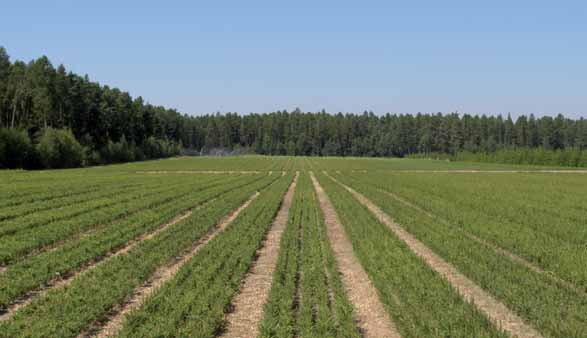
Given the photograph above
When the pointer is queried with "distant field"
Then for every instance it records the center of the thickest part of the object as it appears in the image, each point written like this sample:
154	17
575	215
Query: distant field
257	246
276	163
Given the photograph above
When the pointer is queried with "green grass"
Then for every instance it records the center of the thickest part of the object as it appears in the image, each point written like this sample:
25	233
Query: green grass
419	301
28	274
323	309
552	308
67	311
49	229
193	303
540	217
56	222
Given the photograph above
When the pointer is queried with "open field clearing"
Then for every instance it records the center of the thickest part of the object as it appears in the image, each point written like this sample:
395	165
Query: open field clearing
307	298
280	247
537	295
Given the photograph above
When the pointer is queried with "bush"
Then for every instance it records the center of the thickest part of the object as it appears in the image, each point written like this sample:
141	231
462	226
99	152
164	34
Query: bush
156	148
58	148
151	148
118	152
93	157
15	148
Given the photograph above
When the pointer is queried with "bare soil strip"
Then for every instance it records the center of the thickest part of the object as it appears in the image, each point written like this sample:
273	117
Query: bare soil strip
497	312
164	274
243	321
67	279
512	256
372	318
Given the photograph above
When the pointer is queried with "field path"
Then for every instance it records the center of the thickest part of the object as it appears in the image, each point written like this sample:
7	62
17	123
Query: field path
372	318
497	312
165	273
243	321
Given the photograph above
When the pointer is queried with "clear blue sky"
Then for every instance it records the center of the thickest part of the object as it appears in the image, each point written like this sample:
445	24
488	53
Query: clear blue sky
260	56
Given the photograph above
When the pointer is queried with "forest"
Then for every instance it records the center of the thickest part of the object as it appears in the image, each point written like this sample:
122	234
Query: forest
52	118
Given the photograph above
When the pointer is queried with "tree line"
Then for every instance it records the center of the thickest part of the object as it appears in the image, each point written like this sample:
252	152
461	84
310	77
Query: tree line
109	125
367	134
50	118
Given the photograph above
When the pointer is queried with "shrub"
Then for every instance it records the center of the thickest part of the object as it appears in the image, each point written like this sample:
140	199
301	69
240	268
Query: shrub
151	148
15	148
156	148
118	152
58	148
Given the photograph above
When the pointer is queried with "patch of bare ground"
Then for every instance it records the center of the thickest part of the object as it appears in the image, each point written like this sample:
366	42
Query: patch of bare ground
497	312
247	306
162	275
65	280
372	318
3	269
512	256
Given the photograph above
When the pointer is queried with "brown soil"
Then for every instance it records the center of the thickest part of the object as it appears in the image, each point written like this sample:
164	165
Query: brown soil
372	318
497	312
164	274
243	321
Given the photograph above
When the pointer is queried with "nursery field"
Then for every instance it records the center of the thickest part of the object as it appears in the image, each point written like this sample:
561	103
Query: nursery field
255	246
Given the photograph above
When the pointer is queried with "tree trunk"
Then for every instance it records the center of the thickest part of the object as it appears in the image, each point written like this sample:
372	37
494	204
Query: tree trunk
13	114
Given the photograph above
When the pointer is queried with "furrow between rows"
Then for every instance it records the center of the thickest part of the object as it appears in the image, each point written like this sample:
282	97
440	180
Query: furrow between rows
370	312
243	321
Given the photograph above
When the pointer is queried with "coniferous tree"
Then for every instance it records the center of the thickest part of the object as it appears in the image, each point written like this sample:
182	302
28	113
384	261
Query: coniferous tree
36	96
